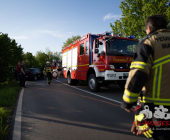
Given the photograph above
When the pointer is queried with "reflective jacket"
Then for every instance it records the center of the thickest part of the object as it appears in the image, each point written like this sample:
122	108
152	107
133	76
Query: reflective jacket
48	69
150	69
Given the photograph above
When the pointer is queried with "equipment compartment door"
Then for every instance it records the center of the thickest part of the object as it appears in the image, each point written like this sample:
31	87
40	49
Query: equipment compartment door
74	59
81	62
69	60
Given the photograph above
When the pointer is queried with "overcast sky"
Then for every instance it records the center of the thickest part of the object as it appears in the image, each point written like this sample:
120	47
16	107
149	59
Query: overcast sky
41	24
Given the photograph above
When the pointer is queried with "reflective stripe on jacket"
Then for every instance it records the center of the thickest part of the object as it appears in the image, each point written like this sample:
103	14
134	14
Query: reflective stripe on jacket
48	69
150	69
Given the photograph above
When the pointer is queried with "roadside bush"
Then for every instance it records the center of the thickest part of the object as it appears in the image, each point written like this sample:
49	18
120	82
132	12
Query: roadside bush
8	96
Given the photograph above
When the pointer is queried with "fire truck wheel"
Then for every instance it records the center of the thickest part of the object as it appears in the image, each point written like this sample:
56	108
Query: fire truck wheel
93	83
71	81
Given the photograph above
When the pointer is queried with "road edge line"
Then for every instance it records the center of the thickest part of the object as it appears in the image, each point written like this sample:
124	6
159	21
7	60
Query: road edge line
91	93
17	123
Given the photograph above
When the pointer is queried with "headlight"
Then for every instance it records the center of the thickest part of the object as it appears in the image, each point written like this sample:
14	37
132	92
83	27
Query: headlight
112	66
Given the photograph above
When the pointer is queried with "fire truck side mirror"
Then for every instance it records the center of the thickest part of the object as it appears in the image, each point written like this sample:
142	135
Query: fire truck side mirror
100	43
96	43
96	50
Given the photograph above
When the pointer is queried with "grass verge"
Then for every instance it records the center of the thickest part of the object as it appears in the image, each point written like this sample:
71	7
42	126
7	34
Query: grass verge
8	96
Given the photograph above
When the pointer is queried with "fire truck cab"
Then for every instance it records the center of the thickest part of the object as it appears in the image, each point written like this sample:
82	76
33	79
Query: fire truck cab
98	60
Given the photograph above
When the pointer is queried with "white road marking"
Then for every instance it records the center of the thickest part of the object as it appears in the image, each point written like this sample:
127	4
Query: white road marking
17	124
91	93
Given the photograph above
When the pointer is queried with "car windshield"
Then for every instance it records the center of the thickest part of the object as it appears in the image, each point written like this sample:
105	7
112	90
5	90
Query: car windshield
120	47
28	70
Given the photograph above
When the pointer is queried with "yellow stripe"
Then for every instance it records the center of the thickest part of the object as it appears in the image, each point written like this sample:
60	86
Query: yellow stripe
166	104
156	101
83	65
159	81
160	64
136	66
154	83
129	100
138	62
161	58
130	93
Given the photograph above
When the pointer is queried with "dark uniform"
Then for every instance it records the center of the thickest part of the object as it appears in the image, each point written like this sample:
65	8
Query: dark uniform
48	70
150	69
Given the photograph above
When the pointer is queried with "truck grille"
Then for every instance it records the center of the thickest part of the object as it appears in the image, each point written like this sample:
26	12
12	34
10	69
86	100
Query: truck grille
121	65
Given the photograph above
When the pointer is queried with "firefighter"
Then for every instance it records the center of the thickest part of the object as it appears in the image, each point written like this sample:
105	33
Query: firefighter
48	72
150	70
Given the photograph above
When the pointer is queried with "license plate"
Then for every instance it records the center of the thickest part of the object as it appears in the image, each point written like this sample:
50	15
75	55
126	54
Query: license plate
125	74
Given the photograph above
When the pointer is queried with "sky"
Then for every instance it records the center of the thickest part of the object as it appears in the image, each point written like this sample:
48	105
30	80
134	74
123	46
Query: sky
40	24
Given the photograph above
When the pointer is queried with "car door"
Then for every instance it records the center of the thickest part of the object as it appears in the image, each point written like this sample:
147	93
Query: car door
38	73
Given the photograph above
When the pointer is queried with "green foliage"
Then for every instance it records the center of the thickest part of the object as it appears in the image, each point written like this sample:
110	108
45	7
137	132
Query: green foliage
8	96
70	40
41	58
53	55
30	60
134	14
10	54
4	115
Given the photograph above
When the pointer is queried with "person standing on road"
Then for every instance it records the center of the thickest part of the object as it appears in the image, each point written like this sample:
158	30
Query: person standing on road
19	72
22	77
48	72
150	70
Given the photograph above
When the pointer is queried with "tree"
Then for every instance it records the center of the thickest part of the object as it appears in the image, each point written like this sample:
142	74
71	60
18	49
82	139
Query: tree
134	13
41	59
70	40
10	54
30	60
53	55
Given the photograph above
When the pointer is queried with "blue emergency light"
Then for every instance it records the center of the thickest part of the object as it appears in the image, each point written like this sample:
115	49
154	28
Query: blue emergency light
131	36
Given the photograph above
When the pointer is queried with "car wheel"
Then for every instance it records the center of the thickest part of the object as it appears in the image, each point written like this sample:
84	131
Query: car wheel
93	83
44	77
35	78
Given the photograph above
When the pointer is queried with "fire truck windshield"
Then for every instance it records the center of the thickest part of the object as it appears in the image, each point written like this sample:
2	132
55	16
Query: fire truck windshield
120	47
59	64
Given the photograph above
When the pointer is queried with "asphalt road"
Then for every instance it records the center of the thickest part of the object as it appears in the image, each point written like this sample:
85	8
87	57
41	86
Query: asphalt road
61	112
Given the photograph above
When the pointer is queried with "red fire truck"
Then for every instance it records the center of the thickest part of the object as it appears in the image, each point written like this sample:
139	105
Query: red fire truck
98	60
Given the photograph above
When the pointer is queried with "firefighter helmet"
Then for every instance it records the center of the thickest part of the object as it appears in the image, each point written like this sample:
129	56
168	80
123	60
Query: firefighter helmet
47	62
